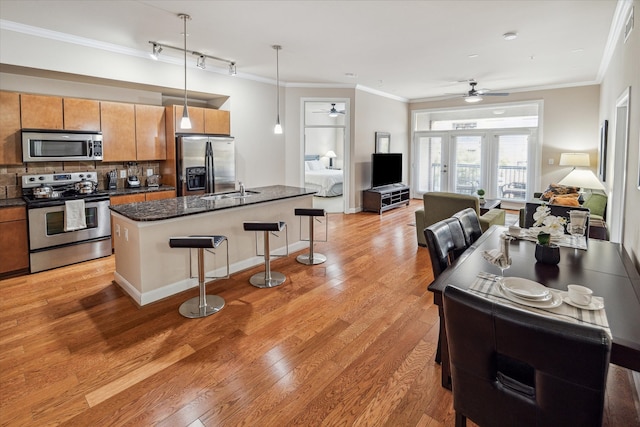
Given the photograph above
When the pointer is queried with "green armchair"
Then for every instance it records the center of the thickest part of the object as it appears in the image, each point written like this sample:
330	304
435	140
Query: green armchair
440	205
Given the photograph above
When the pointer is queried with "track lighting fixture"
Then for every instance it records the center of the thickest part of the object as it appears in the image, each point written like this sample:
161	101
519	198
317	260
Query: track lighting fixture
156	51
200	64
278	127
185	123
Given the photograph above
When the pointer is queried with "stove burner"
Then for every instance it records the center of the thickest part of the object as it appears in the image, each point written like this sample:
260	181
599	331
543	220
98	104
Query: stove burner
63	187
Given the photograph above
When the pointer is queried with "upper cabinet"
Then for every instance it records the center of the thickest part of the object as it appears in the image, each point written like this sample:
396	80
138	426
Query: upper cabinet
81	114
41	112
118	131
217	121
10	152
203	120
151	141
196	115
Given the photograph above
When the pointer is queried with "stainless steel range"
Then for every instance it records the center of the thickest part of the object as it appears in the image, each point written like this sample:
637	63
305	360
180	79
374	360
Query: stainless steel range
69	219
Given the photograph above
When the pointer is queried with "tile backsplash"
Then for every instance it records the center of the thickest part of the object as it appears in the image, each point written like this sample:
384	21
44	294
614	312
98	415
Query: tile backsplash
11	176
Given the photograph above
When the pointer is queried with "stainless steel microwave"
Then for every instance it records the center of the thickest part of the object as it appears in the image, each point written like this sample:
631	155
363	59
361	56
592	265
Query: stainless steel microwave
60	145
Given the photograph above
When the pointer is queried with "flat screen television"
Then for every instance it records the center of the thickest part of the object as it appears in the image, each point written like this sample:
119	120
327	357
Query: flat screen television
386	169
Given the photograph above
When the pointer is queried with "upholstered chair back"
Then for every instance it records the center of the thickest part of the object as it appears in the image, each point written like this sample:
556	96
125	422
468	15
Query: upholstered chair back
514	368
470	225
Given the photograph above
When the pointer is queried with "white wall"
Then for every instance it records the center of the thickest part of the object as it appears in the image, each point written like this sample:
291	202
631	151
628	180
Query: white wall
570	122
623	72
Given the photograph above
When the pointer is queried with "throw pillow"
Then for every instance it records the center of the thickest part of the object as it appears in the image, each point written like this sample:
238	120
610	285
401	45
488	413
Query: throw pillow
557	189
565	200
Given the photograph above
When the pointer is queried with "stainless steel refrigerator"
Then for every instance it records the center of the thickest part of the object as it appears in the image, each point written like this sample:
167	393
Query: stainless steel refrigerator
205	164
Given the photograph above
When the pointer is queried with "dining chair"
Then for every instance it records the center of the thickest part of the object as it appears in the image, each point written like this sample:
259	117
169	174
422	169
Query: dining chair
555	210
470	225
510	367
445	240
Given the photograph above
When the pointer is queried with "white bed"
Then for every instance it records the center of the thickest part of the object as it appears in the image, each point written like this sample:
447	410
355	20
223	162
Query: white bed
327	182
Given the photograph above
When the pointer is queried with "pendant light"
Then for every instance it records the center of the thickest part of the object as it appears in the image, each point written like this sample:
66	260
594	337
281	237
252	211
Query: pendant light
185	123
277	128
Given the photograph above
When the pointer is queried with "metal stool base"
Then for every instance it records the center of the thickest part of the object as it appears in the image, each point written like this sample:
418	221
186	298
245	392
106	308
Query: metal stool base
191	308
260	281
308	260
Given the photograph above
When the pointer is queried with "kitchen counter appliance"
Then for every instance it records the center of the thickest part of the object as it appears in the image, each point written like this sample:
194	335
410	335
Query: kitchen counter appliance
48	198
133	172
56	145
205	164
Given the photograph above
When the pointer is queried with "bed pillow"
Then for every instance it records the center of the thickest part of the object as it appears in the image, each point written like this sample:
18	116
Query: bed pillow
306	166
315	165
557	190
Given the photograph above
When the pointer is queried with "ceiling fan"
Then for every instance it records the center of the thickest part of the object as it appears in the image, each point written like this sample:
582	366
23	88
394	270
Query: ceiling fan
475	95
333	112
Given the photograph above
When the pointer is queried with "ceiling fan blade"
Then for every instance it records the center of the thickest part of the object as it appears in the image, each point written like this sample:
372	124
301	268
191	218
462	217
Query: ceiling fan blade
495	94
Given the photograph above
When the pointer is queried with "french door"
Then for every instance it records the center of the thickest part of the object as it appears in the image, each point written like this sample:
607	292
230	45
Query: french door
448	162
498	161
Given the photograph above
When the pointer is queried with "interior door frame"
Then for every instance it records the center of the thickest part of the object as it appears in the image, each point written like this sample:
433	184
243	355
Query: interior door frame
618	183
346	149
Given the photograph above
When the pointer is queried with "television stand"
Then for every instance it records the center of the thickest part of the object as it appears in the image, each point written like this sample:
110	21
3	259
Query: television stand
380	199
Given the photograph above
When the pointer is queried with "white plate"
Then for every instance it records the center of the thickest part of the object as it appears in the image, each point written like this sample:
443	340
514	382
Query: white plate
593	305
555	301
525	288
536	299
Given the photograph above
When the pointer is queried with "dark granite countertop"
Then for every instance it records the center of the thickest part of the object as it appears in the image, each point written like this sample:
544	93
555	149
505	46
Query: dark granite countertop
10	203
157	210
125	191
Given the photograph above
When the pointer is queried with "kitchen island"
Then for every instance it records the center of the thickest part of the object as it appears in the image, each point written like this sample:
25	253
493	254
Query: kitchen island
149	270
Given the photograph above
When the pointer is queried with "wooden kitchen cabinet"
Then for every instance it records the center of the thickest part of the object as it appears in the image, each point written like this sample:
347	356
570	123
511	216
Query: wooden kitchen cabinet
118	131
196	114
160	195
217	121
151	141
10	136
81	114
14	243
41	112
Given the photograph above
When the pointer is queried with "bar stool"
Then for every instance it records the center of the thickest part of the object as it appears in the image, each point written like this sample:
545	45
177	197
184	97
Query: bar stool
268	279
202	305
311	258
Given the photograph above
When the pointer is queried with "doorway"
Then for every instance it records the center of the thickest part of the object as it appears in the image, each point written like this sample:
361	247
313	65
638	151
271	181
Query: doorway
618	170
325	151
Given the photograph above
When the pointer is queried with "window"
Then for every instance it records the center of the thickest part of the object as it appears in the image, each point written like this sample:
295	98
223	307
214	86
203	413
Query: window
466	149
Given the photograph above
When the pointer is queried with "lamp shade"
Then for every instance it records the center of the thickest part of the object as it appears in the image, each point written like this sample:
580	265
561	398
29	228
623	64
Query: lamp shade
582	178
330	154
574	159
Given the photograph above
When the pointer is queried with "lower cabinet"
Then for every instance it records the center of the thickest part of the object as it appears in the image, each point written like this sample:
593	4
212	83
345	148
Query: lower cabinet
14	241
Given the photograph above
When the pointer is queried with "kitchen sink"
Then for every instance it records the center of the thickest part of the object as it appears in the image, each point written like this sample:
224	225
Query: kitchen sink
231	195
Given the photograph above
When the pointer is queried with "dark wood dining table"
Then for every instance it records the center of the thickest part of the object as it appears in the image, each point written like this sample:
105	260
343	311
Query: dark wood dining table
605	267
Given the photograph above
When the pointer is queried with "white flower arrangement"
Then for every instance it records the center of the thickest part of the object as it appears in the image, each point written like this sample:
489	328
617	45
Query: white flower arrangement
548	223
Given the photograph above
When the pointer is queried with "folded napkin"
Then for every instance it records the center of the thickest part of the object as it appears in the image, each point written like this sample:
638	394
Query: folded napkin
496	257
74	216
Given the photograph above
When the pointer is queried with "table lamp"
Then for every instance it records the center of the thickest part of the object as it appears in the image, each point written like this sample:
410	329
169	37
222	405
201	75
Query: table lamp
331	155
581	178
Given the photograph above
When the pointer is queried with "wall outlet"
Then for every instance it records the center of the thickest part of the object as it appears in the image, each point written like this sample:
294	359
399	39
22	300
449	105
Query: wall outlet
123	173
149	172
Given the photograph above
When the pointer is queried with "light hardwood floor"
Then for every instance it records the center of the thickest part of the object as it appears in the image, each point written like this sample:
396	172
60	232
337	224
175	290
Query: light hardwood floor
348	342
